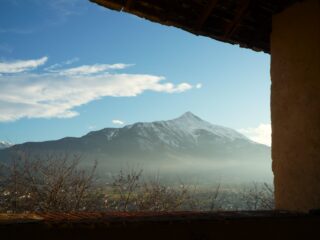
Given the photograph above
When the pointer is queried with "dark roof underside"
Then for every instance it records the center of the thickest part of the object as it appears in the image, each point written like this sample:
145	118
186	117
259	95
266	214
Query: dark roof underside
243	22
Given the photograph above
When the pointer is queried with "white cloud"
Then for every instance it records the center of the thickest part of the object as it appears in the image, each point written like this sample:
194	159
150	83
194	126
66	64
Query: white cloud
260	134
199	85
92	69
59	65
21	65
52	94
117	122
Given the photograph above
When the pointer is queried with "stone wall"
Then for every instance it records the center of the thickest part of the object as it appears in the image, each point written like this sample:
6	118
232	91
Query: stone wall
295	106
160	226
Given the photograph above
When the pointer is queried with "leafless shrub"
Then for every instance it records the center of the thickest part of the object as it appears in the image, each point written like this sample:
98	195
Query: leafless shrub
215	199
124	188
47	183
56	183
267	198
131	193
258	197
155	196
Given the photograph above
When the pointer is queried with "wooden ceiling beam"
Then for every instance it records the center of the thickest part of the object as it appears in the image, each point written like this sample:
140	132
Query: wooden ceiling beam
238	18
205	14
128	5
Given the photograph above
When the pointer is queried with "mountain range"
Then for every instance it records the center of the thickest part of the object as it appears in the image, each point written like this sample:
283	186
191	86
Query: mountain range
4	144
186	145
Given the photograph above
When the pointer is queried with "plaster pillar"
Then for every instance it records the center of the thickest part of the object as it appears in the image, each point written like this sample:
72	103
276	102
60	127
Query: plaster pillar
295	106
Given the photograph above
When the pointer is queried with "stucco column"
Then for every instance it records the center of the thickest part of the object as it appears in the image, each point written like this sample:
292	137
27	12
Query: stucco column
295	106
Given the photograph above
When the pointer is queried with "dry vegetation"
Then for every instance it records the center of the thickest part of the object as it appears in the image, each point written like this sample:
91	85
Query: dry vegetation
51	183
57	183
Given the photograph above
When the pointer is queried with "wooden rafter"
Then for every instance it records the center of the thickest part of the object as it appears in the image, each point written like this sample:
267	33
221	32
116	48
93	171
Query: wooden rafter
238	18
128	4
229	25
206	13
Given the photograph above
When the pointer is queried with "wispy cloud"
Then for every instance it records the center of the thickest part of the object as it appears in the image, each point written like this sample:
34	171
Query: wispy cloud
21	65
260	134
92	69
199	85
117	122
55	94
55	66
72	60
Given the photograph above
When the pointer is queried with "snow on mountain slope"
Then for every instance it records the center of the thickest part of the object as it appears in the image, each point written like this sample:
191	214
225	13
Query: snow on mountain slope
184	129
184	144
4	144
188	122
187	135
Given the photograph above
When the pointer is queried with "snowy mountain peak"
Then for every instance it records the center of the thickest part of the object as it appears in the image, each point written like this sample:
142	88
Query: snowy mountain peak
186	130
4	144
187	127
190	123
188	115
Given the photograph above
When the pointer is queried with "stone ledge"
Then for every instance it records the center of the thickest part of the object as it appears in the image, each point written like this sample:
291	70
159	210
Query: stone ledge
178	225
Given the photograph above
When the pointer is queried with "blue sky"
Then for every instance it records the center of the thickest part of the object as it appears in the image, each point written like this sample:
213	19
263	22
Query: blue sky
69	66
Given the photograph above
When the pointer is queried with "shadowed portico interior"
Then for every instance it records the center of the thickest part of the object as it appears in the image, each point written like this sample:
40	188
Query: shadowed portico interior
290	32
